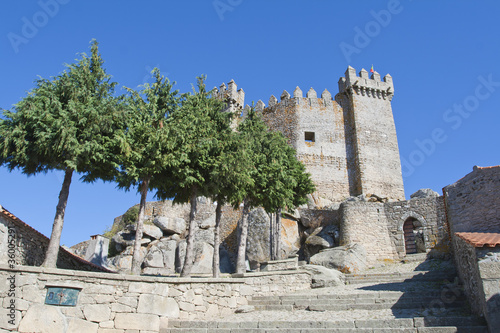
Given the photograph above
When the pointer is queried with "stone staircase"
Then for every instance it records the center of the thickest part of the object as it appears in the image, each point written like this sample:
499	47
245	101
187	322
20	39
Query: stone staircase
418	302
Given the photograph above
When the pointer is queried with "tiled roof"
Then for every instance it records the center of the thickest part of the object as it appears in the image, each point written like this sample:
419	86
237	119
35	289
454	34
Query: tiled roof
18	221
480	239
489	167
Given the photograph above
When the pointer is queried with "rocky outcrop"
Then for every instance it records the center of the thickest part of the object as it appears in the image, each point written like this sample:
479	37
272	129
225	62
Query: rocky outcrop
323	277
170	225
347	259
424	193
165	232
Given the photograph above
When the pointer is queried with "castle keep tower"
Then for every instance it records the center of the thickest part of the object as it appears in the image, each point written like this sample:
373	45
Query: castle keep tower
315	128
371	141
348	144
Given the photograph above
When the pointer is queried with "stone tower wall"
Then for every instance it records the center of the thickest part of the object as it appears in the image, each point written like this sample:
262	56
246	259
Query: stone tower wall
367	224
373	153
315	128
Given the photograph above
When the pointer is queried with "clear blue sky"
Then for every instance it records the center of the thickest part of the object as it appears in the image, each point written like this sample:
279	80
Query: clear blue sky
443	57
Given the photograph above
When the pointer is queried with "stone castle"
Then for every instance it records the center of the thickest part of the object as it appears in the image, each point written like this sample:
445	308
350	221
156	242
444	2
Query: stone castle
348	143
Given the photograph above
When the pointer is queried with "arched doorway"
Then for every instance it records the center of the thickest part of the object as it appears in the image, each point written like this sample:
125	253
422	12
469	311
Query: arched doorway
413	235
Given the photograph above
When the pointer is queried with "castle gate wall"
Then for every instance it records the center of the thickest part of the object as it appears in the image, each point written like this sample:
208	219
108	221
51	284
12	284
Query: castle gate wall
431	215
121	303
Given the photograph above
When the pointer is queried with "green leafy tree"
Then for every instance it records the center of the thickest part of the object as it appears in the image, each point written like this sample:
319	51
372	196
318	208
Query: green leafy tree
279	180
230	176
65	123
287	184
147	146
199	128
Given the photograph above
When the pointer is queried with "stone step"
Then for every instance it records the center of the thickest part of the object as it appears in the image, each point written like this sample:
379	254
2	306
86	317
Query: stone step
288	299
419	324
348	307
407	278
445	329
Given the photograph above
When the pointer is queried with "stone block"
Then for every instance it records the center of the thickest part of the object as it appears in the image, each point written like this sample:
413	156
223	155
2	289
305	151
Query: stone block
138	321
101	299
77	325
141	287
185	306
100	289
107	324
117	307
5	317
74	312
43	318
33	294
126	300
97	312
246	290
489	270
158	305
212	311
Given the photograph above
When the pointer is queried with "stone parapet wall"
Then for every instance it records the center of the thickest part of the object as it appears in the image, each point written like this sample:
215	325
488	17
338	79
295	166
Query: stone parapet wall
479	270
468	272
489	270
114	302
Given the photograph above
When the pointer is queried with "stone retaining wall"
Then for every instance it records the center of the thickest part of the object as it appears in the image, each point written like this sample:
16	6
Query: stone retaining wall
114	303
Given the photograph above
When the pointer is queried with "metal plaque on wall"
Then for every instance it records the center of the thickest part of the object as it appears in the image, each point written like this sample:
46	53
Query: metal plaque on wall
62	296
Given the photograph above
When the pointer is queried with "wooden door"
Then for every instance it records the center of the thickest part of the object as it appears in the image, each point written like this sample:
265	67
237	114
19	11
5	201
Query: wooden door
410	245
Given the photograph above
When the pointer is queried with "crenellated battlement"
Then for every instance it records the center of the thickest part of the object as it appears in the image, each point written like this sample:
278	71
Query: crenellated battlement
366	86
297	99
234	97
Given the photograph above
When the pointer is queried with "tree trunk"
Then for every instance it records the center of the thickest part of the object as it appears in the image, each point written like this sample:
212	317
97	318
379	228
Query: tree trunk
55	236
136	262
189	259
272	254
215	262
277	235
242	239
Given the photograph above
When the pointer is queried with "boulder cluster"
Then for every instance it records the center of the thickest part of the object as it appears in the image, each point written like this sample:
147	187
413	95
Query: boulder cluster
310	232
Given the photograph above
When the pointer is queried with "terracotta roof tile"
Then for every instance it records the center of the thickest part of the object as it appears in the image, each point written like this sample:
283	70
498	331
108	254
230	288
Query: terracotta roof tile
489	167
15	219
480	239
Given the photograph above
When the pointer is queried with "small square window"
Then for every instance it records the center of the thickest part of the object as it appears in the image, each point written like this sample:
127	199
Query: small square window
309	136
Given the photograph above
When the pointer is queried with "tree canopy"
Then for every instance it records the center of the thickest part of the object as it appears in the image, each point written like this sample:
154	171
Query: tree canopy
200	131
68	123
147	148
